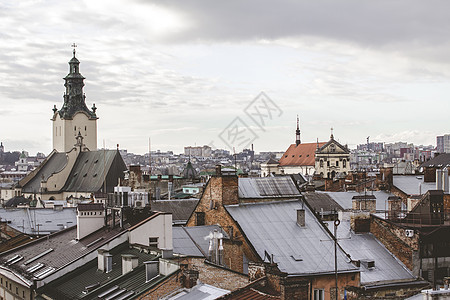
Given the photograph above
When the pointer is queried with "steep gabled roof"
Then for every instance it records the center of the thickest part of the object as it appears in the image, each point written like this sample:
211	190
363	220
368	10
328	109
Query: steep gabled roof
301	155
54	163
92	168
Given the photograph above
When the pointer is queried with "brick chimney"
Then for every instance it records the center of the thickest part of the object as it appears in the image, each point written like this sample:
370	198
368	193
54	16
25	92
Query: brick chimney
189	278
301	217
394	206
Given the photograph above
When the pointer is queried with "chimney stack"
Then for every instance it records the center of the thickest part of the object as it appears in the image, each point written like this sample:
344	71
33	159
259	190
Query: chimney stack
445	183
151	270
101	259
129	262
301	217
218	170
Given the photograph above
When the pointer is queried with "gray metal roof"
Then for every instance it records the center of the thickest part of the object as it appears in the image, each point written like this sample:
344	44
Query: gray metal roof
87	174
365	246
193	241
56	250
72	285
183	244
440	161
344	199
322	201
413	185
267	187
181	209
42	220
53	164
272	227
91	168
201	291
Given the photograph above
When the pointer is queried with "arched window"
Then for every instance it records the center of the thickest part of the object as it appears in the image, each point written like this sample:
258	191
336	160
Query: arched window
344	163
321	163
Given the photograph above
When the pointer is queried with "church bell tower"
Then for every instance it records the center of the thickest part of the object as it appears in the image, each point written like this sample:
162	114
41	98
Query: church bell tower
74	118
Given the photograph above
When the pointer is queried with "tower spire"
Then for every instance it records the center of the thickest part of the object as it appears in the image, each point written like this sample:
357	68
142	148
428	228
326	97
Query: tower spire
297	134
74	46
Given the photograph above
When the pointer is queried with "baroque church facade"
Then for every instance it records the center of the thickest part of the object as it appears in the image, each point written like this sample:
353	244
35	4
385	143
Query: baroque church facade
324	159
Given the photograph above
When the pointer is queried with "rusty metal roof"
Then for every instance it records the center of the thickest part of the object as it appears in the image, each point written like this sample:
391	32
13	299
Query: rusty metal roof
301	155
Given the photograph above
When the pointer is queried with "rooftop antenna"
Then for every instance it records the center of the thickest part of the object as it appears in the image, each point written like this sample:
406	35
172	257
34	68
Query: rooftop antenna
149	157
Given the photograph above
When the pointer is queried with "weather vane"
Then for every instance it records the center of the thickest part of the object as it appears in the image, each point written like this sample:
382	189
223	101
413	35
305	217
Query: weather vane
74	46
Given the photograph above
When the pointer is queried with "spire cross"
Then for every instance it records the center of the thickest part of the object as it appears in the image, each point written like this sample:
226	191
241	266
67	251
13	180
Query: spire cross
74	46
332	132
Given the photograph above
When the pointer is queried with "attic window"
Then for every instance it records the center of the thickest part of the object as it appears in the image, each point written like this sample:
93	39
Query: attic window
75	175
285	156
293	155
300	155
95	175
85	175
307	155
96	161
86	161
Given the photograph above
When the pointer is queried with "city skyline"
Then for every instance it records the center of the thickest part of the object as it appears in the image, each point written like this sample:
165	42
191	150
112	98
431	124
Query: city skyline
181	73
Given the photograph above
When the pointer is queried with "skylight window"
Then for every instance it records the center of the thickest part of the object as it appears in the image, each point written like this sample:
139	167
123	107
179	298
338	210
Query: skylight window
14	259
38	256
44	272
36	267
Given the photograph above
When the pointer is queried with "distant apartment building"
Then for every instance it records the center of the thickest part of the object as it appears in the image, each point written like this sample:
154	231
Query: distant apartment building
376	147
198	151
443	143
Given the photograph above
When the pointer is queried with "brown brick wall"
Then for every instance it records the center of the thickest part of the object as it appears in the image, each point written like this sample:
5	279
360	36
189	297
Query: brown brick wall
395	240
217	276
164	288
358	204
218	215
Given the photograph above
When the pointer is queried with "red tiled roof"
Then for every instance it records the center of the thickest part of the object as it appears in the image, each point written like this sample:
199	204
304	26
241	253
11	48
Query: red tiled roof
301	155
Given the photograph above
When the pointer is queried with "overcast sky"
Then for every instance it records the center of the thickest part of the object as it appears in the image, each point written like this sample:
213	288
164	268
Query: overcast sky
184	72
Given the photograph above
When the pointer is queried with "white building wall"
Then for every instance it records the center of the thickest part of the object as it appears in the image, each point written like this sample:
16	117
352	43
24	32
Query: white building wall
88	222
158	227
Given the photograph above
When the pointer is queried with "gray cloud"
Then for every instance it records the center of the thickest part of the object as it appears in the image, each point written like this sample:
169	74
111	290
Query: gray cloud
371	23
